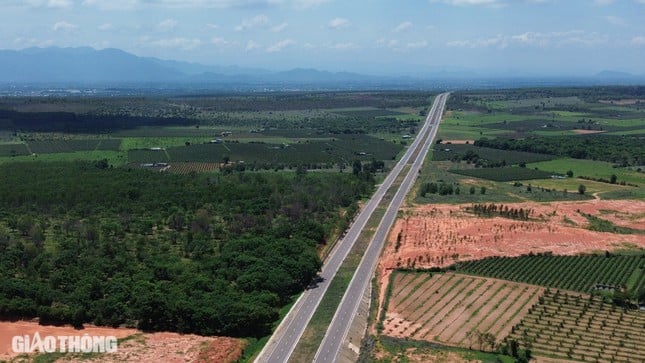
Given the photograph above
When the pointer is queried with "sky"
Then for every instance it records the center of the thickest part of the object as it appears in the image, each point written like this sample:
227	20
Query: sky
394	37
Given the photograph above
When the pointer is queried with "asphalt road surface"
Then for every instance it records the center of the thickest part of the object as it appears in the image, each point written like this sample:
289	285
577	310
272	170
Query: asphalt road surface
339	327
286	336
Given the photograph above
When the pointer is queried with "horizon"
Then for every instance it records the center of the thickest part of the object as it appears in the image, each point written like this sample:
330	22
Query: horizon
491	37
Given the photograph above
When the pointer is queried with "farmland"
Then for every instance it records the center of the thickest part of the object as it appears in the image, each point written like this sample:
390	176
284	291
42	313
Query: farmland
320	131
577	273
552	130
454	309
503	174
564	170
578	327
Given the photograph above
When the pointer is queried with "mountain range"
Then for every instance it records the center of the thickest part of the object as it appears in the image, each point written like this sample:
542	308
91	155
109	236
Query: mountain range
85	65
88	65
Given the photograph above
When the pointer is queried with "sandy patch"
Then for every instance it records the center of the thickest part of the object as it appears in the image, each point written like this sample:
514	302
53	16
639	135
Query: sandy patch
587	132
141	347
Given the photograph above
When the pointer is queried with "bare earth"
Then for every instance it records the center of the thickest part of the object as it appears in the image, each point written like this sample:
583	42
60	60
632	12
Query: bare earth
439	235
141	347
586	132
623	102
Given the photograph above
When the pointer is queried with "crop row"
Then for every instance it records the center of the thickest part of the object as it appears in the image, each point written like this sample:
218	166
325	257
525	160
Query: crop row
504	173
569	326
343	149
578	273
461	151
65	146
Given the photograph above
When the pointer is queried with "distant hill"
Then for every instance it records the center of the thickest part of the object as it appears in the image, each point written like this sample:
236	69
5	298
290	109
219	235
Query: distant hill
82	65
88	65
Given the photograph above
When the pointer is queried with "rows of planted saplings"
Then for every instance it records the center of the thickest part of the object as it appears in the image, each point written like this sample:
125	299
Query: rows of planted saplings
581	327
577	273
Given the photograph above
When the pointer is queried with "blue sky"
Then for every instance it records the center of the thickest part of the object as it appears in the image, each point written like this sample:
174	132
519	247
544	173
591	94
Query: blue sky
558	37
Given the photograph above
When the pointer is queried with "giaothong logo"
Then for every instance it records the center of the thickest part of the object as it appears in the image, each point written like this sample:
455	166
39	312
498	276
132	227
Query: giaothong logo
63	344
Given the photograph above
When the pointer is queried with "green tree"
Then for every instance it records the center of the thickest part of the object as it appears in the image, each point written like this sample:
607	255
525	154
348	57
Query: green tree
613	179
582	189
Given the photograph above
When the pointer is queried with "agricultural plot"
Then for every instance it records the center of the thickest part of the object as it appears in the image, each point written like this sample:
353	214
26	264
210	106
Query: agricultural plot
369	113
187	168
450	151
13	149
455	309
577	327
147	156
577	273
504	174
341	149
72	145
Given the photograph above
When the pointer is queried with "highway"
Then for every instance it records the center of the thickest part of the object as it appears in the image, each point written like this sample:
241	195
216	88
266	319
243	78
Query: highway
283	341
339	327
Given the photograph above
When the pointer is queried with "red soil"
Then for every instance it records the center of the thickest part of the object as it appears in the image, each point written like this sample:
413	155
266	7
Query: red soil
439	235
142	348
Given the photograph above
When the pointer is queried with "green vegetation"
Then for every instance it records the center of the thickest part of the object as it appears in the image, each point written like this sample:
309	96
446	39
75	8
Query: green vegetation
624	151
578	273
603	225
582	328
82	242
544	131
398	350
503	174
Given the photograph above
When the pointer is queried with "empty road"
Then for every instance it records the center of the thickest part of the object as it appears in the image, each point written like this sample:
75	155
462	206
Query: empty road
284	339
337	331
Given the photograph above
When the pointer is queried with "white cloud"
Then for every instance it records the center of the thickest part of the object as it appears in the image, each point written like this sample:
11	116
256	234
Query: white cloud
105	27
212	26
406	25
417	45
604	2
615	20
59	3
111	4
470	2
344	46
166	25
306	4
535	39
338	23
278	28
279	46
254	22
308	46
638	41
220	42
251	45
177	42
64	26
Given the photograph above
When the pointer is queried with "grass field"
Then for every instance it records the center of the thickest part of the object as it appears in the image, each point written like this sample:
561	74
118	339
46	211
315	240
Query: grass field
115	158
590	168
503	174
